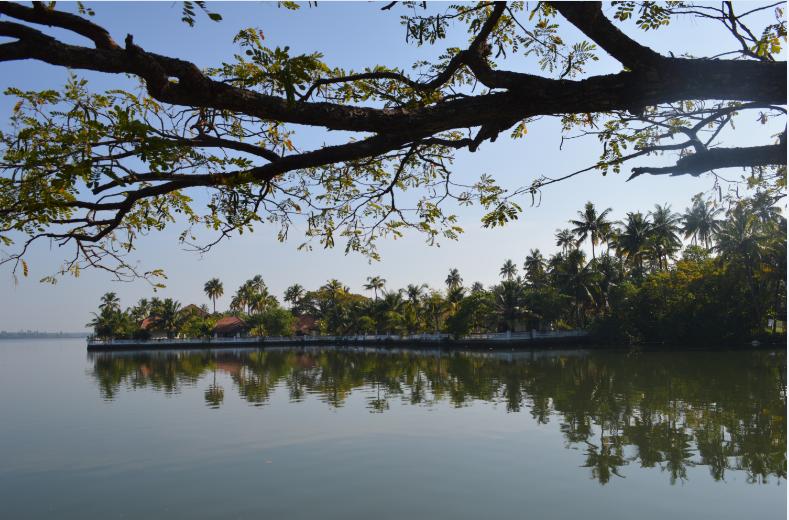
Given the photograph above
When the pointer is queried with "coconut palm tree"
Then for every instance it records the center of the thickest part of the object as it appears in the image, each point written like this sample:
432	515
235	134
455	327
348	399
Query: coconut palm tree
455	296
257	283
477	287
665	226
534	266
508	270
415	293
700	223
376	283
110	301
294	293
633	238
576	278
214	289
509	304
453	280
565	240
592	225
742	241
334	288
102	323
170	318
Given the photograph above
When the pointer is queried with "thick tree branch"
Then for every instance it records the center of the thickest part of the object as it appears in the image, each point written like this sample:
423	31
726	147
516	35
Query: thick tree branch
717	158
589	18
39	14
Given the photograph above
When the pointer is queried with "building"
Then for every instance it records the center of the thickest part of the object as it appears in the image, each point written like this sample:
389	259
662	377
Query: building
307	326
230	327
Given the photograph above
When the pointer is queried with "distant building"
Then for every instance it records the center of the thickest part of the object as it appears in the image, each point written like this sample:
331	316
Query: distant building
307	326
230	327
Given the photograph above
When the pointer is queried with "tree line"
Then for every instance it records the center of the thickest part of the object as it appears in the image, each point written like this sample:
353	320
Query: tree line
644	286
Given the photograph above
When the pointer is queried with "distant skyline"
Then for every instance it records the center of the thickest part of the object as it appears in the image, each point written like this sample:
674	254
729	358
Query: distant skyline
353	36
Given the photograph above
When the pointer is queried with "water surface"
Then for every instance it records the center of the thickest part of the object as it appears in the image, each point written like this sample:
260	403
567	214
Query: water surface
360	433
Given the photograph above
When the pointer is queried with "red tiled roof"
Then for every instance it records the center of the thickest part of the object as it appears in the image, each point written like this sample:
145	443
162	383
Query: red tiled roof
306	323
149	322
229	325
200	312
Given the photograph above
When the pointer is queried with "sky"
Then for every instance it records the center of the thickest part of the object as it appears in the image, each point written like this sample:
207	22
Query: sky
352	35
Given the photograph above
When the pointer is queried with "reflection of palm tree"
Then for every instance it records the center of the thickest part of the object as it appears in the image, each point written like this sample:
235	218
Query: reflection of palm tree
592	225
453	280
508	270
213	289
214	395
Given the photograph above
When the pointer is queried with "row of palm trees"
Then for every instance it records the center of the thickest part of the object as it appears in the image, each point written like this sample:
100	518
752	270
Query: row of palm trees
558	290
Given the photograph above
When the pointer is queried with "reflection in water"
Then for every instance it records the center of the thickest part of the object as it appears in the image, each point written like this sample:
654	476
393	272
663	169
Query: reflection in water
674	410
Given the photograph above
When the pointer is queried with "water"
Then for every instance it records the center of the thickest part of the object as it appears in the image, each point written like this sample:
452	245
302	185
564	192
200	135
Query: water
351	434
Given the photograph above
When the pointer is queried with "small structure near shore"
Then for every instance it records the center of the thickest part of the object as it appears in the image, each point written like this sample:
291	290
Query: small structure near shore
230	327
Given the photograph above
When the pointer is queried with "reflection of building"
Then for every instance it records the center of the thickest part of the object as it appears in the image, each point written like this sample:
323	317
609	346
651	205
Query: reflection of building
307	326
229	365
230	327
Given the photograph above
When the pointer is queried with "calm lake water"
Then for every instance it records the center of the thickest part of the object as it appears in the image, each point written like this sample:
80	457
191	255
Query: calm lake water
390	434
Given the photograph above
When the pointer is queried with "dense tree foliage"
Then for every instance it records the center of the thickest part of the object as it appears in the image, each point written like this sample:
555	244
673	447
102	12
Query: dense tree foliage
97	171
643	287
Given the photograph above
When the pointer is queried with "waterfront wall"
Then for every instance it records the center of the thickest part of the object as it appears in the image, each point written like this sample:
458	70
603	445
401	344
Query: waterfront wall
485	340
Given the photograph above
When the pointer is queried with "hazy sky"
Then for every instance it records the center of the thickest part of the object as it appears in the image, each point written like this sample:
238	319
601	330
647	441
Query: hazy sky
353	36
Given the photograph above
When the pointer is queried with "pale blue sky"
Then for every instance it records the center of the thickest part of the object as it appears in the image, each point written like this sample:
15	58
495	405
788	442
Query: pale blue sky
353	36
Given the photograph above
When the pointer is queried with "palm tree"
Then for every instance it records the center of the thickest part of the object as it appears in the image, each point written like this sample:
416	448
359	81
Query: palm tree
577	279
455	296
595	226
509	304
102	324
633	238
334	287
477	287
453	280
700	222
665	226
741	241
257	283
213	289
565	240
110	301
170	318
508	270
293	294
375	284
415	293
534	266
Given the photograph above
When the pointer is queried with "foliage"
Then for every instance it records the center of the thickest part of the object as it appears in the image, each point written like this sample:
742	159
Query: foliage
99	171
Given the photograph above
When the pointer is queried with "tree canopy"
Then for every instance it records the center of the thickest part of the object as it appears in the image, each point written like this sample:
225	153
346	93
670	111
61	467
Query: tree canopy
98	171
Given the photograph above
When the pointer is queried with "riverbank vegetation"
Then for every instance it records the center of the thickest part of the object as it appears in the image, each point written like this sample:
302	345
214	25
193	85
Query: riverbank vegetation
640	285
